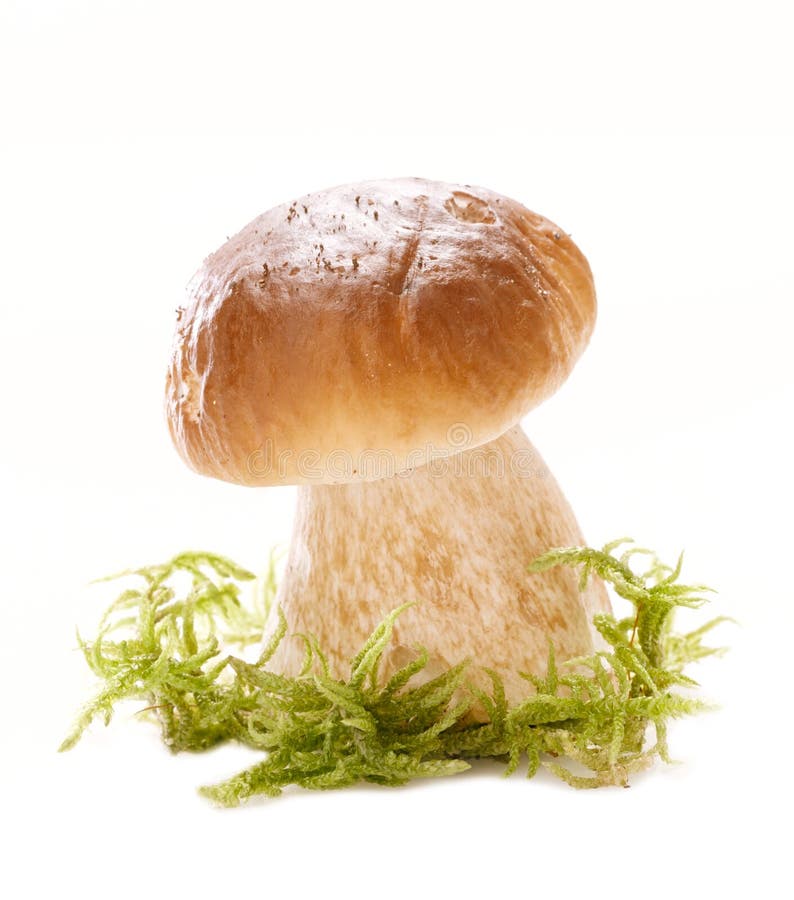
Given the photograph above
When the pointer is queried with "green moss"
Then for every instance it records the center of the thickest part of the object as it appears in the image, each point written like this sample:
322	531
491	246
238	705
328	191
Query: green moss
591	721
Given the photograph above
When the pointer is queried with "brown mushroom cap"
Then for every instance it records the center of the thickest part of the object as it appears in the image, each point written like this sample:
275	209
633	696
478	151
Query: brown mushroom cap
386	316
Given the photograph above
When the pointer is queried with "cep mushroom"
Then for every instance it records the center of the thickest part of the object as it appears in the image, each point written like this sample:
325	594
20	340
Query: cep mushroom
377	344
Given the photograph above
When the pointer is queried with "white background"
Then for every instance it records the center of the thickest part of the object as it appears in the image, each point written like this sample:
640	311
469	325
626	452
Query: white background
136	137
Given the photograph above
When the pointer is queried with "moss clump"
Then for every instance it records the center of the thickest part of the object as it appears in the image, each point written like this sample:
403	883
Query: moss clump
165	646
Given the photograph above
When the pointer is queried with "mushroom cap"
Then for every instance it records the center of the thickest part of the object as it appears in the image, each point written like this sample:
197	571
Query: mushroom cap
359	331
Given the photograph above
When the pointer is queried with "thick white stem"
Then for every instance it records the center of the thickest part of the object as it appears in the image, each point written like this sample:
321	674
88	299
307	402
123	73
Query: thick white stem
456	537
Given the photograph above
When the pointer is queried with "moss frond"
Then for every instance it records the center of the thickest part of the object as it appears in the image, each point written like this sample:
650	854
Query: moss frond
585	720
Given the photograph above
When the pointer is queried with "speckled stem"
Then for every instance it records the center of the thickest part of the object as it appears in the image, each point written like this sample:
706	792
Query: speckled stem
456	536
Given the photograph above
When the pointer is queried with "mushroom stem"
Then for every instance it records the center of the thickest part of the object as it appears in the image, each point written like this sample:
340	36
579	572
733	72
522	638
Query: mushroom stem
456	536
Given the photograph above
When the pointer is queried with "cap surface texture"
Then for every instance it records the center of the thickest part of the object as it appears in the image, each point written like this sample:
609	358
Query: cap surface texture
398	317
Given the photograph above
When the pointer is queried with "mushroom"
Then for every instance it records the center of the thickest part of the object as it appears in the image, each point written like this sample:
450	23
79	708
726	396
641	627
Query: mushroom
377	344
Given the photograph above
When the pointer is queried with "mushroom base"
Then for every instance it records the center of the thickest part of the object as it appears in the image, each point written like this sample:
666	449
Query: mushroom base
455	537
